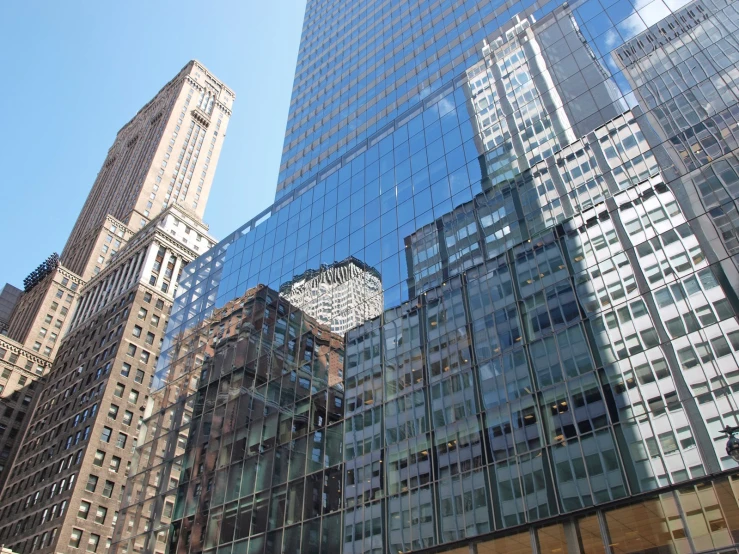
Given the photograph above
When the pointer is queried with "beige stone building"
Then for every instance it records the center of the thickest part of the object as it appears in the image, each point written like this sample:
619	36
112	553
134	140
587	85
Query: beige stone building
68	476
20	370
41	316
79	344
39	319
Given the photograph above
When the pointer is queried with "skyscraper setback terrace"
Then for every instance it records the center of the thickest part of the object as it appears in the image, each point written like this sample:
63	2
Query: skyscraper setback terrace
552	232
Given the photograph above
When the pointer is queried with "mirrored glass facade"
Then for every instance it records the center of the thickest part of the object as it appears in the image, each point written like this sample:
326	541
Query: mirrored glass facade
493	308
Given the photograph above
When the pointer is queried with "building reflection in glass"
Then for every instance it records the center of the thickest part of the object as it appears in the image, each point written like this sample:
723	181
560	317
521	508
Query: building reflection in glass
555	333
341	295
269	390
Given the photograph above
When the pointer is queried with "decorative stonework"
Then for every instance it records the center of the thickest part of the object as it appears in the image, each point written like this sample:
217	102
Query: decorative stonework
16	348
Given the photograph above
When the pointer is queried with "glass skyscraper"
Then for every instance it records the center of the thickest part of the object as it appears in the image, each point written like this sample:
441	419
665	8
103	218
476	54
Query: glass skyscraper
493	308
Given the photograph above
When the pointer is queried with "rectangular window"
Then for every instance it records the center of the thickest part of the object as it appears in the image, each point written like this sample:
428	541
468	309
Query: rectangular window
133	396
121	441
139	378
92	542
75	537
127	417
84	510
125	369
115	463
105	435
113	411
92	483
100	515
99	458
108	489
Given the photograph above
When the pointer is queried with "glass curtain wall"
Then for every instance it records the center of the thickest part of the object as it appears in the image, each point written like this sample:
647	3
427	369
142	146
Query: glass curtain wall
506	316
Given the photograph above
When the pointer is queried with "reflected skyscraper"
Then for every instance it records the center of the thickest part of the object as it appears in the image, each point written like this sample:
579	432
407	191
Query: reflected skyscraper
341	295
689	99
558	346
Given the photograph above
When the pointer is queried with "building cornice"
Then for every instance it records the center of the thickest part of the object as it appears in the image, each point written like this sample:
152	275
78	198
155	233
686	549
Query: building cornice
16	348
70	275
110	219
205	70
218	103
144	243
166	238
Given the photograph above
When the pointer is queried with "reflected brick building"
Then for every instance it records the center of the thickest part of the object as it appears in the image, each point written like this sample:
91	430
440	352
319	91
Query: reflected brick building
269	386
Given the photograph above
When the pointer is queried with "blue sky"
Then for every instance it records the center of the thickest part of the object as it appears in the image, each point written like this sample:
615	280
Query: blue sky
73	73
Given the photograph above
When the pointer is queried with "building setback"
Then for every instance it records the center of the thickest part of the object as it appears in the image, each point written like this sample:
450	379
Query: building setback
67	479
548	191
167	154
141	224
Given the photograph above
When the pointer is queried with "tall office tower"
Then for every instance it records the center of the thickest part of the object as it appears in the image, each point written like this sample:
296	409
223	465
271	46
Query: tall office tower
59	310
65	486
167	154
552	219
693	116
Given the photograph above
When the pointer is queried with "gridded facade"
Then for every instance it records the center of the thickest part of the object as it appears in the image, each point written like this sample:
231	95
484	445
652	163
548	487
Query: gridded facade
559	345
21	372
66	482
279	430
